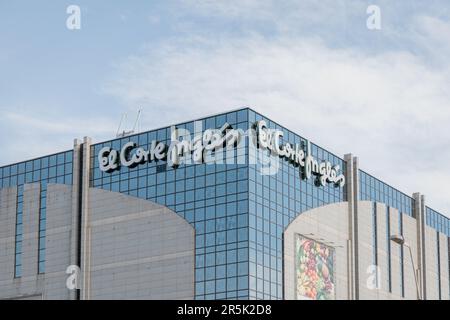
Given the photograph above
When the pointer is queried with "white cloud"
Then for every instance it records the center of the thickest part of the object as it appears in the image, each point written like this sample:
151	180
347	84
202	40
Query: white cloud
46	133
390	108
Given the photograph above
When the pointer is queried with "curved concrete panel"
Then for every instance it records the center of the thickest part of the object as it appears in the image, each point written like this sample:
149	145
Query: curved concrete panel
137	249
327	225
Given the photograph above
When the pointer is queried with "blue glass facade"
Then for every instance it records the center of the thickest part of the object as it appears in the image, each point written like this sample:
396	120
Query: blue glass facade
274	201
55	168
212	197
372	189
437	221
239	215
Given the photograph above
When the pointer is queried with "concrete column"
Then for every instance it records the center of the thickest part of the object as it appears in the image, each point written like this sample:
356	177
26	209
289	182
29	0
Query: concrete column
356	187
75	226
352	198
8	204
382	250
444	259
424	265
395	256
30	242
85	221
419	212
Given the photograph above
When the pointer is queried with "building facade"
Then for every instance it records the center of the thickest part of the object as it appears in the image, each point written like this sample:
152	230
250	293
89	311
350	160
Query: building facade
232	206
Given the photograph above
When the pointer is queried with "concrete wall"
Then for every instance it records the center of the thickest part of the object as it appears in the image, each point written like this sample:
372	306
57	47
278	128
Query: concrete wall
366	247
52	284
325	224
8	198
137	250
443	242
410	233
330	224
29	286
382	252
365	256
59	231
395	255
432	286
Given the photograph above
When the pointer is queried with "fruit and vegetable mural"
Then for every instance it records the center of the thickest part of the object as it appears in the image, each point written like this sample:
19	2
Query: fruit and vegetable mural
314	269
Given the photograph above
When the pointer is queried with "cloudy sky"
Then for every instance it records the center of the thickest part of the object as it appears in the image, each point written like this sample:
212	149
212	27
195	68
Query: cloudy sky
313	66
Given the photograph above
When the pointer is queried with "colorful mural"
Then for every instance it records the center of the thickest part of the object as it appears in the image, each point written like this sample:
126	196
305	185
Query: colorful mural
314	268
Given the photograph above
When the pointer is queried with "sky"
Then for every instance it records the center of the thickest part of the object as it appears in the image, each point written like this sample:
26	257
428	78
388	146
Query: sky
312	66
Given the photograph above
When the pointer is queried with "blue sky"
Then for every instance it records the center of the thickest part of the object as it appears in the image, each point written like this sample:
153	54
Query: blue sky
313	66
